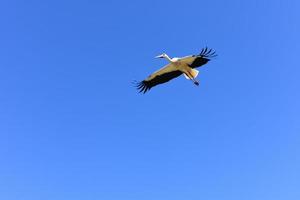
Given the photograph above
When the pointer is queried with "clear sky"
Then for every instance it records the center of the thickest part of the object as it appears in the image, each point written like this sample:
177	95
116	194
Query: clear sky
72	126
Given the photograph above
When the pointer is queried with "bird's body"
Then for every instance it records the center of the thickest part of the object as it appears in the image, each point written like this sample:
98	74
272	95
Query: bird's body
175	68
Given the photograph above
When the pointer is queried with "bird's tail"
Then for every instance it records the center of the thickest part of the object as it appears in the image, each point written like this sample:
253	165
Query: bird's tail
193	72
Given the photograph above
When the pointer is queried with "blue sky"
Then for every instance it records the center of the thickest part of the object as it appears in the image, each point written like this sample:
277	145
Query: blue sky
73	127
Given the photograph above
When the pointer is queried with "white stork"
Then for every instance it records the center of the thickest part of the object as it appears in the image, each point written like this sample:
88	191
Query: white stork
175	68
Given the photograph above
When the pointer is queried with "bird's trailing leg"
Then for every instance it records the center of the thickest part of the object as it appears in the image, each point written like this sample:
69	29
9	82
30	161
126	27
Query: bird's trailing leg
191	74
192	78
196	82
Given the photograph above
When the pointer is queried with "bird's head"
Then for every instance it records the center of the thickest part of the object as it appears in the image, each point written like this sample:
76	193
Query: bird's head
161	56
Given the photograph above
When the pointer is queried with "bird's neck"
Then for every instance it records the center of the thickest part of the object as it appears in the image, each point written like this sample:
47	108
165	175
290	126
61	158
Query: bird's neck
168	58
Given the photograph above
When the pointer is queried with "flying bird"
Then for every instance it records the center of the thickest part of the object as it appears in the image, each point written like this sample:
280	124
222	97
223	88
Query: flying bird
176	67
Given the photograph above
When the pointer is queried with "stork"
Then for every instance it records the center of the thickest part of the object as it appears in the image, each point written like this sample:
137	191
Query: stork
176	67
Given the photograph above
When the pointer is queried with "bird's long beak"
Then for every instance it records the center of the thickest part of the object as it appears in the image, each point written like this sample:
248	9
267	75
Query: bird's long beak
159	56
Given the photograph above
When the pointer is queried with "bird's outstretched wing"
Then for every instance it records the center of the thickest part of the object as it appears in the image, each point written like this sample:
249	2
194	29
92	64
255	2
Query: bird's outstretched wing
195	61
163	75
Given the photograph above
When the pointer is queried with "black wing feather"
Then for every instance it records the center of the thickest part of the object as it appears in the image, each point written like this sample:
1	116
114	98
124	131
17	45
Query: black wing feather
145	86
203	57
